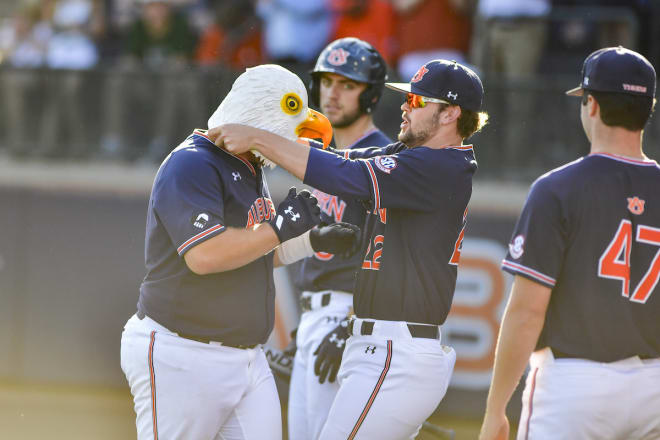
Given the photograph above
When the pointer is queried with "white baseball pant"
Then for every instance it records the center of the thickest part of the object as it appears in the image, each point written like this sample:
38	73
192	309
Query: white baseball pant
184	389
389	383
583	399
309	400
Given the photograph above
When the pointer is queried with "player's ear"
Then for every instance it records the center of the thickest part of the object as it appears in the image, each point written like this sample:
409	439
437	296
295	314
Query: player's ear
450	114
593	108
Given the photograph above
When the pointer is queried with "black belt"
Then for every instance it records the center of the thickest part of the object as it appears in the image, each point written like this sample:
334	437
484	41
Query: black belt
561	355
306	301
416	330
141	316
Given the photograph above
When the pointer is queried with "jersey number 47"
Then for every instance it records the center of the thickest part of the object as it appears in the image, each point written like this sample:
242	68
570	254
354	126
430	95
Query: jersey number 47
615	261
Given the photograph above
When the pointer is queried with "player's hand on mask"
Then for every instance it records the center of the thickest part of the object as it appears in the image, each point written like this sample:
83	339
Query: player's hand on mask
329	353
337	238
235	138
296	214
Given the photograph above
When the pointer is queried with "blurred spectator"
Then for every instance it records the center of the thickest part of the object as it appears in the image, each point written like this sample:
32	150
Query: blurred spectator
370	20
160	43
234	40
508	43
510	36
431	29
294	31
618	23
71	50
23	43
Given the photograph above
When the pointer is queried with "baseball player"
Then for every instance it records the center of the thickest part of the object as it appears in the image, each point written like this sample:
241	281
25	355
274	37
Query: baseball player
347	82
395	370
585	253
192	353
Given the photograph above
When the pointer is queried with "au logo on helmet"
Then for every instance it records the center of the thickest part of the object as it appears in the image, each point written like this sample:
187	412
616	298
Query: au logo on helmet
338	57
420	74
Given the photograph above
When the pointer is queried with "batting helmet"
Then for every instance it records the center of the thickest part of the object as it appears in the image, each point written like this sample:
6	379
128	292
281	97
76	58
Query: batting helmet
357	60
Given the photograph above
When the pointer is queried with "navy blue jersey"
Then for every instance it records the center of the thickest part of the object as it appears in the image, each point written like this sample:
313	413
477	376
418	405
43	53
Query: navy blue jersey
590	231
198	191
418	206
324	271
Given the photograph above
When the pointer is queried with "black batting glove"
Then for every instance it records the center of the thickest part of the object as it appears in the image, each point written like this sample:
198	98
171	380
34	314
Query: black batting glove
329	353
297	214
337	238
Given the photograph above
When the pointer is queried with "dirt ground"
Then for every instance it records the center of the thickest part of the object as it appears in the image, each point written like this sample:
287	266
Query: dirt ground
31	412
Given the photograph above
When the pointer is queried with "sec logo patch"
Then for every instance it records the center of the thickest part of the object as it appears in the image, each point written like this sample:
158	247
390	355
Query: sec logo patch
386	163
517	247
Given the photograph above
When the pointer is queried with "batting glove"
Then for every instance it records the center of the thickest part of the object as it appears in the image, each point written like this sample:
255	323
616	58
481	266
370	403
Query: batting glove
337	238
329	353
297	214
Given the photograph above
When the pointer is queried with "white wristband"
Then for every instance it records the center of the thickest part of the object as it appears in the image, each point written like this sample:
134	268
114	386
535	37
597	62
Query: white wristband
295	249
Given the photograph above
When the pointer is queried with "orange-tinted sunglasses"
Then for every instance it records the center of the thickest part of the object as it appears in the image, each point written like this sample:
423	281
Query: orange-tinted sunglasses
418	101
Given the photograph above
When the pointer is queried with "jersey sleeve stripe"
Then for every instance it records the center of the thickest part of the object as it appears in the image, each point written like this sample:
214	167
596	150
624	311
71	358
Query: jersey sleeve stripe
519	268
374	183
198	237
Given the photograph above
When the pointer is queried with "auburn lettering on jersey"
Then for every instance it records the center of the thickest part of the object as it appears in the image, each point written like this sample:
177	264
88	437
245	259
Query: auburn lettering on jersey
326	271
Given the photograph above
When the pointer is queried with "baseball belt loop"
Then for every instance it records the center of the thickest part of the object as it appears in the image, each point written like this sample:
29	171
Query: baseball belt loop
351	325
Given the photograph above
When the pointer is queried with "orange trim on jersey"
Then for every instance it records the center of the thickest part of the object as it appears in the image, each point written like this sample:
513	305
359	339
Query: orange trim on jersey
629	160
531	402
462	147
374	183
246	162
152	378
370	402
201	133
197	237
347	154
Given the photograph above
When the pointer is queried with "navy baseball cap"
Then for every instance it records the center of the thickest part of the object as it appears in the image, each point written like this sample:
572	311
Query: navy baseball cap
446	80
616	69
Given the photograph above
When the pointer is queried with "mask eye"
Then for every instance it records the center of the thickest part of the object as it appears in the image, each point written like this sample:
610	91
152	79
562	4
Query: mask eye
291	104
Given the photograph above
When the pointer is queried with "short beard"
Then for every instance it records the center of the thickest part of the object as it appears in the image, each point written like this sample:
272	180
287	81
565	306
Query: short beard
347	120
411	140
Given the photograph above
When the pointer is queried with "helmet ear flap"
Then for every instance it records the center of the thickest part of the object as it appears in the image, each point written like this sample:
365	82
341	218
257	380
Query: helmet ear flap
369	97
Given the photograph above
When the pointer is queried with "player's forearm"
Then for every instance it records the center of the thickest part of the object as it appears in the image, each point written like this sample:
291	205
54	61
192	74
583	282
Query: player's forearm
290	155
232	249
335	175
521	326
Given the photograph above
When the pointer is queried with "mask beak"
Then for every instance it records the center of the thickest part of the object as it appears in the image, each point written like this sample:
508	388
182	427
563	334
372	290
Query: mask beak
316	126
